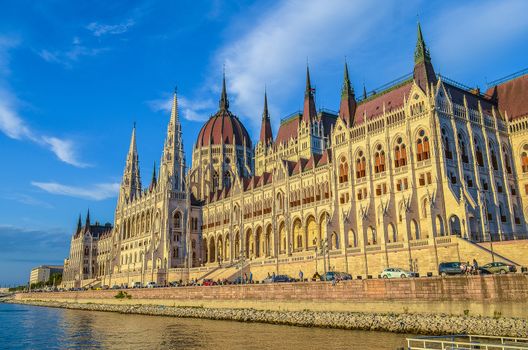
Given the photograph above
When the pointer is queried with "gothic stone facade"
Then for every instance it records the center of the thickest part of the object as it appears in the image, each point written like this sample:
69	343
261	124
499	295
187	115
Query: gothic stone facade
396	169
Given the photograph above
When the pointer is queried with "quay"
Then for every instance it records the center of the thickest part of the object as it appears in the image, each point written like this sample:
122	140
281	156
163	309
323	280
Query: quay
467	342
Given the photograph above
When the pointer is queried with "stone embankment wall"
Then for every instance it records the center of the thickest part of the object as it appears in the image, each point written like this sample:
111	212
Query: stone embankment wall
398	323
489	296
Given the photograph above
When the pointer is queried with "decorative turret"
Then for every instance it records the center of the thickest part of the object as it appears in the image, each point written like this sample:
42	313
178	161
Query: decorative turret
87	223
309	111
347	109
131	183
173	159
154	181
424	73
266	135
79	224
364	92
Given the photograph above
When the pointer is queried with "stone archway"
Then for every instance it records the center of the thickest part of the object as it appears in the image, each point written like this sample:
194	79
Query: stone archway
312	233
212	250
269	242
440	231
282	238
391	231
454	225
415	231
258	242
298	236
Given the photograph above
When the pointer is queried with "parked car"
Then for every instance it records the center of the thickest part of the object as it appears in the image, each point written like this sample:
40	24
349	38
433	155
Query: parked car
105	287
334	275
174	284
136	285
499	267
238	280
396	272
115	286
450	268
151	285
277	279
209	282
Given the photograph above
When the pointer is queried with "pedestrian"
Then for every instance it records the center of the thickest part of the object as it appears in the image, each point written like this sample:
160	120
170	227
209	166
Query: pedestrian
300	275
463	268
468	268
273	275
475	267
269	275
245	277
250	277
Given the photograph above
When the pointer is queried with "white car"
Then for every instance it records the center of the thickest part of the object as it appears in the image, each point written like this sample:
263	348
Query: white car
395	272
151	285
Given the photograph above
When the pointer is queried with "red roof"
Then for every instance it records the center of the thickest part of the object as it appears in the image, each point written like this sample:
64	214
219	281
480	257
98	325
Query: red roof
392	99
223	127
512	97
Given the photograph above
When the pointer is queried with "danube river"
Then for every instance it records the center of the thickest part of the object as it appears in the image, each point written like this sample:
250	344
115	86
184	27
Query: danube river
33	327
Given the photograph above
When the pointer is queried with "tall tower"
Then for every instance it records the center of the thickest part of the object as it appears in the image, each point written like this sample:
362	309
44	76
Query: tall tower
265	141
131	183
173	158
347	108
424	73
310	136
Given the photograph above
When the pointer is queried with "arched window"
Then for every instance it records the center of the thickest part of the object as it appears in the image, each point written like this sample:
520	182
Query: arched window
215	181
343	170
227	179
400	153
379	160
177	220
478	153
361	166
463	149
422	147
447	147
524	159
506	159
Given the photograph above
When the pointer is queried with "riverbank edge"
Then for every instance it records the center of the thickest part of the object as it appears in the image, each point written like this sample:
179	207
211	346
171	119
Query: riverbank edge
428	324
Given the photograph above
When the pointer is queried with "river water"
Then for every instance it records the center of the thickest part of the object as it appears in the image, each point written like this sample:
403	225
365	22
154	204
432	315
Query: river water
33	327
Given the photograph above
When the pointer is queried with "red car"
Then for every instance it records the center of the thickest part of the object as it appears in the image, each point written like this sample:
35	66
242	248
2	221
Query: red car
208	282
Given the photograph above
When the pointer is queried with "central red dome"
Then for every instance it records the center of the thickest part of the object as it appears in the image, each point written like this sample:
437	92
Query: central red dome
223	127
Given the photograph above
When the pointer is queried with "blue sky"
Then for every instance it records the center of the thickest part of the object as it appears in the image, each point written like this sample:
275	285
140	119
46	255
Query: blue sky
75	76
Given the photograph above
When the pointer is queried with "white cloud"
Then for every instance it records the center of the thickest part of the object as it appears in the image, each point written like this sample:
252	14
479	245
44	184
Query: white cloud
72	54
190	109
96	192
99	29
275	49
15	127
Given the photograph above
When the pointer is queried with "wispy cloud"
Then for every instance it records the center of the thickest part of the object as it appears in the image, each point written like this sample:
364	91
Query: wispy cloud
28	200
15	127
95	192
274	49
67	57
487	25
99	29
190	109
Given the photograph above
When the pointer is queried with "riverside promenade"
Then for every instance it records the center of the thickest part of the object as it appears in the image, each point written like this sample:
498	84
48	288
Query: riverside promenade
491	305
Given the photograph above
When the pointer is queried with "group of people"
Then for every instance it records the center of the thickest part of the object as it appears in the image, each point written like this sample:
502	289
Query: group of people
470	269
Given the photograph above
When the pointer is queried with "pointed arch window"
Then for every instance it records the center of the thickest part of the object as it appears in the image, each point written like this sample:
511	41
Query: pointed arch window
343	170
422	146
507	163
447	147
524	159
215	181
379	160
463	149
361	166
478	153
400	153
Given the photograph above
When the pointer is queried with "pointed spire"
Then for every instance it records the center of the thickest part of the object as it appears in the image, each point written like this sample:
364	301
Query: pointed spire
174	109
224	102
153	181
424	73
131	183
265	130
347	108
79	224
172	164
364	91
87	224
309	111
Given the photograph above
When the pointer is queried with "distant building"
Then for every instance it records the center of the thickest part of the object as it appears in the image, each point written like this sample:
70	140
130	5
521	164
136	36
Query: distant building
43	273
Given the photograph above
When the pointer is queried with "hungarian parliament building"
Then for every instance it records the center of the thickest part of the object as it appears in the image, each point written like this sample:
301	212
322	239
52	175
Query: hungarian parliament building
422	171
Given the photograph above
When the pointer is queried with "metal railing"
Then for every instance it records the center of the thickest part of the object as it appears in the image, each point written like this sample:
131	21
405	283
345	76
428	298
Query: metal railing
467	342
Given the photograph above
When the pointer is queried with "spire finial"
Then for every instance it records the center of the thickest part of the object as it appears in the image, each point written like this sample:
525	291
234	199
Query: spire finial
421	53
88	218
79	223
224	102
364	91
347	87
